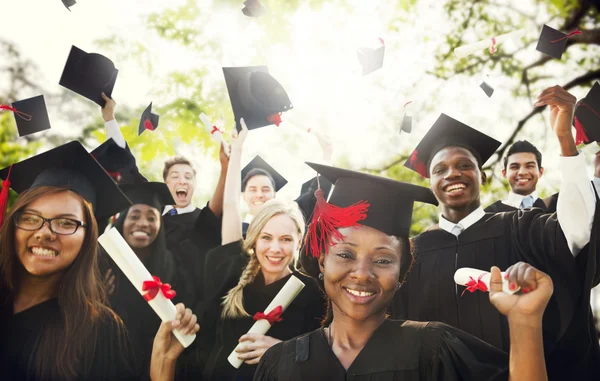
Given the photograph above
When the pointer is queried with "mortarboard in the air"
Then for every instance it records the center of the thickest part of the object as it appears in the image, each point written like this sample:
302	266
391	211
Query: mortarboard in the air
148	121
553	42
253	8
446	132
69	166
89	75
255	96
113	158
258	164
31	115
586	119
68	3
407	118
371	59
487	88
359	198
154	194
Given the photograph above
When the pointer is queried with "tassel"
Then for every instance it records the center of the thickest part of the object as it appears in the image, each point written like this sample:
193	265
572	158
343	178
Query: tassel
275	119
148	125
327	219
4	196
417	164
580	136
22	115
573	33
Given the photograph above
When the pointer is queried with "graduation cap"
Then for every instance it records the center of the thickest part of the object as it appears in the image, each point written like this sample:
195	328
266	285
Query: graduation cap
553	42
69	166
487	88
253	8
586	119
148	121
89	74
154	194
113	158
255	96
31	115
406	122
371	59
359	198
258	166
68	3
446	132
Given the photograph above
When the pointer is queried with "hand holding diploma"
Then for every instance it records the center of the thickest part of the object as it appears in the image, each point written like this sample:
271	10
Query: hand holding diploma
479	280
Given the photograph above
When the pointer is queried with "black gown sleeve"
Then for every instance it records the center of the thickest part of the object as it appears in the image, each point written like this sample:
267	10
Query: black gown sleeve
207	229
269	363
449	354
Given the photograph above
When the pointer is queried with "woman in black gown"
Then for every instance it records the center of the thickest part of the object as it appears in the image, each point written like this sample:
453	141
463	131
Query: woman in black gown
54	324
360	261
243	276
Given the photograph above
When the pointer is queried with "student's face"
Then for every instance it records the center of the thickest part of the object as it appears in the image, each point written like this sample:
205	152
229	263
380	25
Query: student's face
141	226
455	177
43	253
259	190
522	172
277	245
181	183
361	272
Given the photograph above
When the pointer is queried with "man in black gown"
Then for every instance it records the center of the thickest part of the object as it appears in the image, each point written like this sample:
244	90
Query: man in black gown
522	169
453	155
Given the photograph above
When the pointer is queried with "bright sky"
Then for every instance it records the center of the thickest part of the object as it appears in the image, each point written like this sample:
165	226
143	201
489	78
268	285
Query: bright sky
317	66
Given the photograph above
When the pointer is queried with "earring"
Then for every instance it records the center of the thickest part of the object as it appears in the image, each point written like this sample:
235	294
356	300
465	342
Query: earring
398	285
321	276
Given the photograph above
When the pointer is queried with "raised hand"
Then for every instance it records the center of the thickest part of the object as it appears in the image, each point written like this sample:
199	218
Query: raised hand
562	106
325	143
108	111
525	307
254	346
237	139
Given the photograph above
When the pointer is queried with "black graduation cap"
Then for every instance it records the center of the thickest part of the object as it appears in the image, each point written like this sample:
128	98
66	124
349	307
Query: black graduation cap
154	194
113	158
445	132
378	202
148	121
407	119
68	3
258	164
587	117
253	8
69	166
552	42
255	96
89	74
371	59
487	89
31	115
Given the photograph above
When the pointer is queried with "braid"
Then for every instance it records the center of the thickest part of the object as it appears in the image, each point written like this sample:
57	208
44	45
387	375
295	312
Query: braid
233	302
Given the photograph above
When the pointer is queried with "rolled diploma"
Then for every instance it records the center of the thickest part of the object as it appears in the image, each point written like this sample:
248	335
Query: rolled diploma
217	136
465	50
284	298
118	249
461	277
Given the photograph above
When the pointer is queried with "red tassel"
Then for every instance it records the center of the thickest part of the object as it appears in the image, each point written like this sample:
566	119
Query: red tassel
327	219
580	136
148	125
4	196
417	164
22	115
275	119
576	31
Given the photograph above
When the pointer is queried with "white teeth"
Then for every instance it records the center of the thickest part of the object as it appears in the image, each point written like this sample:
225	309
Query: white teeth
140	234
258	203
273	259
41	252
455	187
359	293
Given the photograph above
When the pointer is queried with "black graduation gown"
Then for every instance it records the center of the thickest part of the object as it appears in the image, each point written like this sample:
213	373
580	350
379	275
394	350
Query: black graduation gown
18	339
499	206
503	239
218	337
397	351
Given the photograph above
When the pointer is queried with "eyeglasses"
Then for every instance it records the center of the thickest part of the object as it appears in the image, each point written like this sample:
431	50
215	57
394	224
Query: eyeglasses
60	225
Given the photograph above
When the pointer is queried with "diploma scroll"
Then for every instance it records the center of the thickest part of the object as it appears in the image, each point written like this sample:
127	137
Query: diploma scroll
466	50
475	279
284	298
118	249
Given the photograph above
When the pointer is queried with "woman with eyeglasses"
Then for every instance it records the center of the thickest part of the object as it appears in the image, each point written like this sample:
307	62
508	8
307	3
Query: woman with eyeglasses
54	324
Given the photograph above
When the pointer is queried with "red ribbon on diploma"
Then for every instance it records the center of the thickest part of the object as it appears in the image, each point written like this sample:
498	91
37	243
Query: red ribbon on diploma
214	129
474	285
271	317
23	116
153	286
493	46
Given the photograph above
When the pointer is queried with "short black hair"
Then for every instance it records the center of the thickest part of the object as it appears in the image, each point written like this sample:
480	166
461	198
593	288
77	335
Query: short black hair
524	146
257	172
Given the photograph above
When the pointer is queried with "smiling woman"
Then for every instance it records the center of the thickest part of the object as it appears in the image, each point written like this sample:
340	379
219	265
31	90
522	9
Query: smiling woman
53	320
